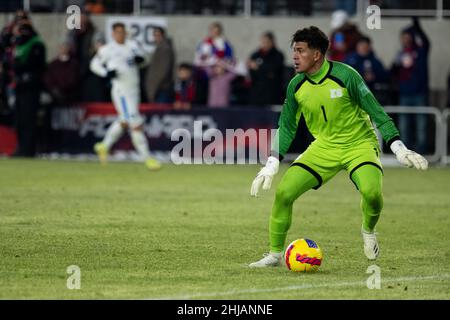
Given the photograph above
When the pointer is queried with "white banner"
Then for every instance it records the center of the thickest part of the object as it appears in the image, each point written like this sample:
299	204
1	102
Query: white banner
138	28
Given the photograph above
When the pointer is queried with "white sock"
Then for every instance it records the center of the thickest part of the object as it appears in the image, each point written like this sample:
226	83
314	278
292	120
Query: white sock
140	143
113	134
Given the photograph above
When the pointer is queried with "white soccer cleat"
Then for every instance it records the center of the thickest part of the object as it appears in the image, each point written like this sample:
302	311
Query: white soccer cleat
268	260
371	247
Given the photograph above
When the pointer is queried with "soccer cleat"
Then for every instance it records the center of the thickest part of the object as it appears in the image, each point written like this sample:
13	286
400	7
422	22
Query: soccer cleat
371	247
152	164
268	260
102	152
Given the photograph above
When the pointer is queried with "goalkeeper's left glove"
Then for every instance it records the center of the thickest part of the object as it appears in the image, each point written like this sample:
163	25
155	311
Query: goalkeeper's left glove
408	157
265	176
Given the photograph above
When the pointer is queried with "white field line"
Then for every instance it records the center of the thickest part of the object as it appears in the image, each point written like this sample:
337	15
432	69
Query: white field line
299	287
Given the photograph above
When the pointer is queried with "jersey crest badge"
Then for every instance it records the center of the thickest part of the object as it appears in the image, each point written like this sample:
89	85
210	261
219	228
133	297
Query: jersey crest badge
335	93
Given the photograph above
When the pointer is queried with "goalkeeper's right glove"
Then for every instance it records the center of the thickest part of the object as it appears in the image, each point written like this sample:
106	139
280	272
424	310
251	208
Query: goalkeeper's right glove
408	157
265	176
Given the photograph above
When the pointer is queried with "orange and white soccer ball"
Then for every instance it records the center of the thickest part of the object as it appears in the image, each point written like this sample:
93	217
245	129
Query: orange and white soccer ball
303	255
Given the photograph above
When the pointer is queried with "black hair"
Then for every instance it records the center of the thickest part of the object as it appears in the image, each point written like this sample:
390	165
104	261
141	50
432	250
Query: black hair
118	25
185	65
365	39
408	31
160	29
21	15
314	37
269	35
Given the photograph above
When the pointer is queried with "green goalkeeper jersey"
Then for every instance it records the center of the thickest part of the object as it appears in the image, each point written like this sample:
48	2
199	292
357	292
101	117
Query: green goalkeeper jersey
337	107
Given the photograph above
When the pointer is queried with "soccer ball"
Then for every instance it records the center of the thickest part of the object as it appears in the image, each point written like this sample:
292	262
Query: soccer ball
303	255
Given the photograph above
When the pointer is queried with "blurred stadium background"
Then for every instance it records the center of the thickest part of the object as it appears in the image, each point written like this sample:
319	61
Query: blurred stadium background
75	108
190	231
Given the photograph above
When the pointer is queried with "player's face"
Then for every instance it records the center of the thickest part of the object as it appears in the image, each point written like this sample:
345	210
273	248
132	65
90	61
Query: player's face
304	57
119	35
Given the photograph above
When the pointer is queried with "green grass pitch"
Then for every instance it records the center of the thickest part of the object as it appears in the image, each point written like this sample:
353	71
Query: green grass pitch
190	231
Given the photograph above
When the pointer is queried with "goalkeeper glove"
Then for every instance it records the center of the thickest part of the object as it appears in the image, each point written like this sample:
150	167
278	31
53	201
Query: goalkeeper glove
265	176
408	157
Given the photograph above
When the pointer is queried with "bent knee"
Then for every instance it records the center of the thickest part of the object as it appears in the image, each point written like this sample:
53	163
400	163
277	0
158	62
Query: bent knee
284	196
374	198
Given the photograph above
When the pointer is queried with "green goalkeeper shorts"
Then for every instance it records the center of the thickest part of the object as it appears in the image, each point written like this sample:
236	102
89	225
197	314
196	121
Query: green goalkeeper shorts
324	163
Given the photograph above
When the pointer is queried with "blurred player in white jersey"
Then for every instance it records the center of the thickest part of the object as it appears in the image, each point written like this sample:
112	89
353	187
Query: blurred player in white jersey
119	61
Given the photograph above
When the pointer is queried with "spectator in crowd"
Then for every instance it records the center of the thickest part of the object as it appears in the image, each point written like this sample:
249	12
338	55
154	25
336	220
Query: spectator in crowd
185	87
344	37
266	71
61	77
190	87
82	44
7	58
82	49
20	16
94	88
97	89
219	85
367	64
159	75
4	109
448	91
213	48
29	65
410	68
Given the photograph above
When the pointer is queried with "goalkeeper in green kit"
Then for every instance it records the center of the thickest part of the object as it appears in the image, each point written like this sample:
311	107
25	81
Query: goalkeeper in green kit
338	108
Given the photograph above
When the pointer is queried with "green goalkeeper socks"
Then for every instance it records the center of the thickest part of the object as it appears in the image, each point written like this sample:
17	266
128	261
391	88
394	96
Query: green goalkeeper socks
369	180
294	183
